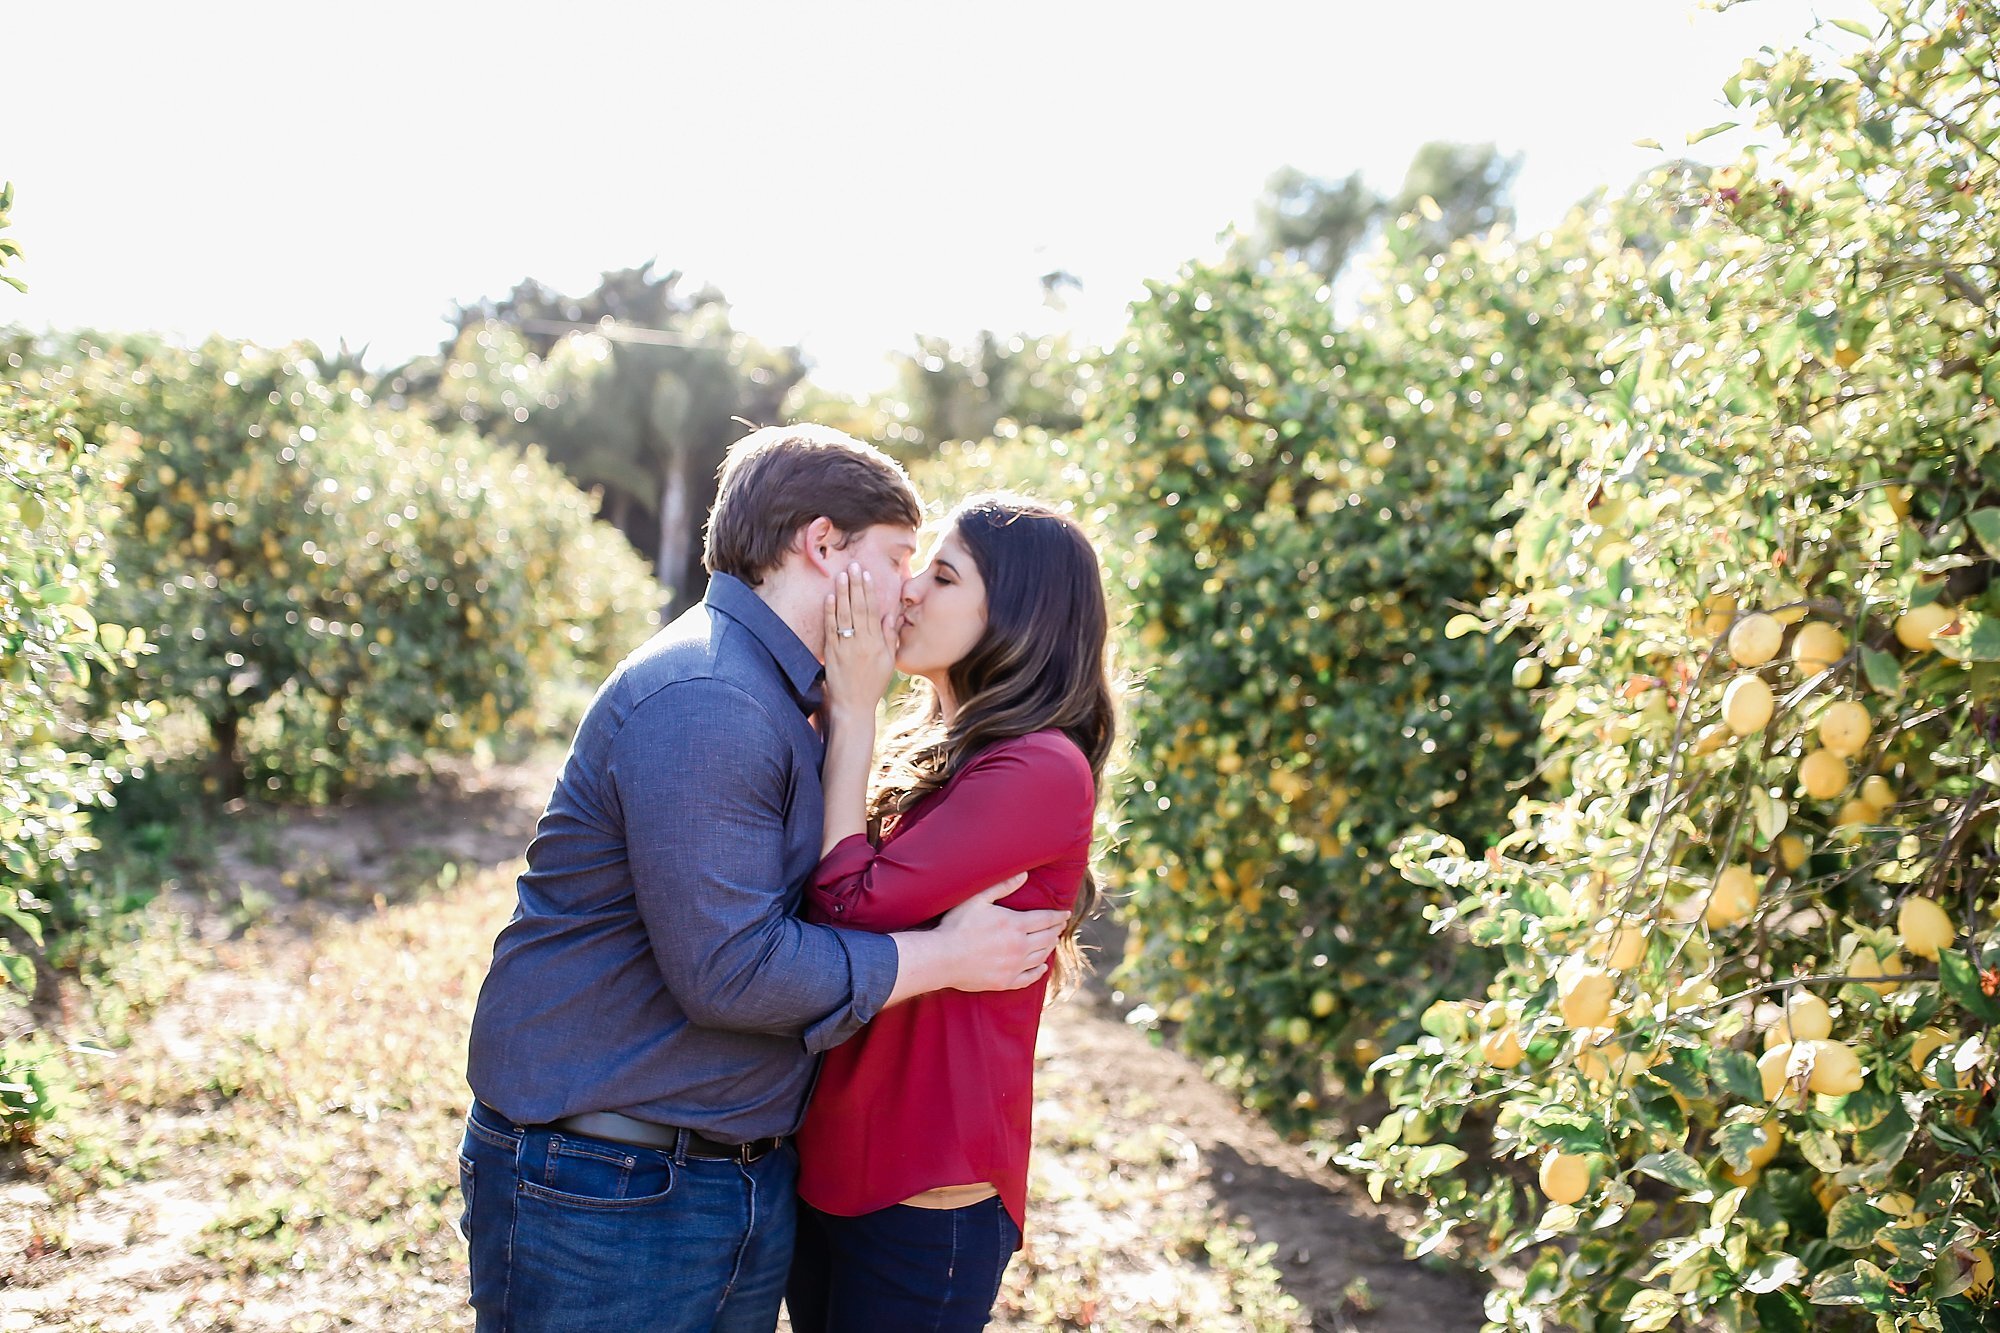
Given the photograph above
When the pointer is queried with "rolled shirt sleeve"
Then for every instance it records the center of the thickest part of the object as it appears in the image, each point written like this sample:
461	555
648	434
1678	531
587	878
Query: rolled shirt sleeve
698	774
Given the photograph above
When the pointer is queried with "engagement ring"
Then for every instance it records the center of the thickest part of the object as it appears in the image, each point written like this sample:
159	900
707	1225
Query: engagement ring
844	633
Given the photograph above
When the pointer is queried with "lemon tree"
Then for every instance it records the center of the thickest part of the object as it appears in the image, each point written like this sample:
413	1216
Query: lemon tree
1745	945
1308	501
330	584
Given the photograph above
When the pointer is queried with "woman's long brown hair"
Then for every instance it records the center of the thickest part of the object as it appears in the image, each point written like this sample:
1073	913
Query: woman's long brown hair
1040	664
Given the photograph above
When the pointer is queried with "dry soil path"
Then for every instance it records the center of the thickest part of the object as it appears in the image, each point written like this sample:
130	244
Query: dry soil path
271	1149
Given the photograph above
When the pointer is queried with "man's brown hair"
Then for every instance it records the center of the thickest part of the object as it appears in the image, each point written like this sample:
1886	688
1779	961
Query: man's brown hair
777	479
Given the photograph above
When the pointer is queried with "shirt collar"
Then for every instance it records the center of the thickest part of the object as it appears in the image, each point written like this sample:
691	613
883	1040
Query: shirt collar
740	602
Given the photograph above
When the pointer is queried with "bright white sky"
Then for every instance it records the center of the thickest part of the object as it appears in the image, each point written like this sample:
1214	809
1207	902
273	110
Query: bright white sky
850	175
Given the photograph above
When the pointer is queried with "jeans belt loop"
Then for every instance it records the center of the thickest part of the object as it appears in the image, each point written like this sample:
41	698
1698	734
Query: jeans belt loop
680	1147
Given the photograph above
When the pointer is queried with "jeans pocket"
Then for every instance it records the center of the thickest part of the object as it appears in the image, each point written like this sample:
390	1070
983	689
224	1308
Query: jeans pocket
593	1174
464	1227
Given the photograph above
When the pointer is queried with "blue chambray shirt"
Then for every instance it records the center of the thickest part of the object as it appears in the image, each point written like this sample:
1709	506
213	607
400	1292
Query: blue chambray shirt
654	964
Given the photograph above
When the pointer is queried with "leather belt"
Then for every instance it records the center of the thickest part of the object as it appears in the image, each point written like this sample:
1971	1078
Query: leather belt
645	1134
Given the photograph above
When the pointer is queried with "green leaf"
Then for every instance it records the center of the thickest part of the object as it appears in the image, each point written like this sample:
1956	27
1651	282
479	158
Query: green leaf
1853	1222
1855	26
1678	1169
1781	1312
1737	1073
1961	982
1884	673
1985	524
1772	1272
1770	814
1860	1283
1435	1159
1461	625
19	969
1651	1309
1976	638
1739	1138
1818	1147
1718	128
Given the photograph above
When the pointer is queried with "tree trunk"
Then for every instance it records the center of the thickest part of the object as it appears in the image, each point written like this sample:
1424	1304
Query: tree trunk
225	766
676	532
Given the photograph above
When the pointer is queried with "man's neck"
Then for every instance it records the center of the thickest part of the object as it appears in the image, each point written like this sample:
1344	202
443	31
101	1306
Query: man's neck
802	608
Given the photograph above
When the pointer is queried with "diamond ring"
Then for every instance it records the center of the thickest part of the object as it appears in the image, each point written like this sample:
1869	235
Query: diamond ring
844	632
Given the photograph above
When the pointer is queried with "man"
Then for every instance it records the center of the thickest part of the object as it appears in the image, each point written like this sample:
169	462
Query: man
645	1041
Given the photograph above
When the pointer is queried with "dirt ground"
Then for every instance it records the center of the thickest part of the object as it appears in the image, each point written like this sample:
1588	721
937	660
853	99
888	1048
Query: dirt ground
268	1146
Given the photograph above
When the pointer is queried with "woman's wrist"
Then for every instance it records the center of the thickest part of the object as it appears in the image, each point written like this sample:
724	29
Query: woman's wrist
850	716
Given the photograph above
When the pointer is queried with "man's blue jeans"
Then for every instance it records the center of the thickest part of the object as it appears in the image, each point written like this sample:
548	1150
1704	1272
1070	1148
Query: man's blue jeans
570	1233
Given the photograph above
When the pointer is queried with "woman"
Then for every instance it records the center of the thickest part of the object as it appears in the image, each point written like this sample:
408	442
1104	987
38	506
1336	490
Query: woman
914	1151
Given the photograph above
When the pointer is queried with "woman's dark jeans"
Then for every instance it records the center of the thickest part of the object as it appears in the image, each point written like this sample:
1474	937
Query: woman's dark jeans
910	1270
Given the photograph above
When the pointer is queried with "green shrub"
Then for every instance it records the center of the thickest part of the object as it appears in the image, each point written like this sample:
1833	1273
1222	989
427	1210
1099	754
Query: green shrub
55	767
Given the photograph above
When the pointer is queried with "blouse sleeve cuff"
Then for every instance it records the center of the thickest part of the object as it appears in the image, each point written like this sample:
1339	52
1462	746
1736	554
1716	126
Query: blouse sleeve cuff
849	856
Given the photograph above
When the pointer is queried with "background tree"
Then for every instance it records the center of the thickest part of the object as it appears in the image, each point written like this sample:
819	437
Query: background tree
1323	224
1467	185
1309	220
947	392
635	389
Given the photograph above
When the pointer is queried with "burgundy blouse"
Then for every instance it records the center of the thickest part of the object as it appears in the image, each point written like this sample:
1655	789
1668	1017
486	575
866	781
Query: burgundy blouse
938	1090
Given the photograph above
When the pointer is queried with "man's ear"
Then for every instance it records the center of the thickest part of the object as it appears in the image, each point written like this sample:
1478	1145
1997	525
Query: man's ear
819	542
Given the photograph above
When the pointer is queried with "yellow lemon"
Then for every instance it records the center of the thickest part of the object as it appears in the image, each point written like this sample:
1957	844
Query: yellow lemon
1844	728
1877	794
1823	774
1865	963
1586	998
1774	1068
1747	705
1836	1069
1982	1274
1855	813
1754	640
1807	1018
1712	621
1710	738
1322	1003
1502	1049
1733	898
1916	627
1895	1203
1218	398
1817	646
1791	851
1565	1177
1926	1045
1624	947
1603	1064
1924	926
1768	1147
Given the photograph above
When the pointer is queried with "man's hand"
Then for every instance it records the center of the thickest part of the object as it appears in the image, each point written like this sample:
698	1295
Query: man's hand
998	947
978	946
